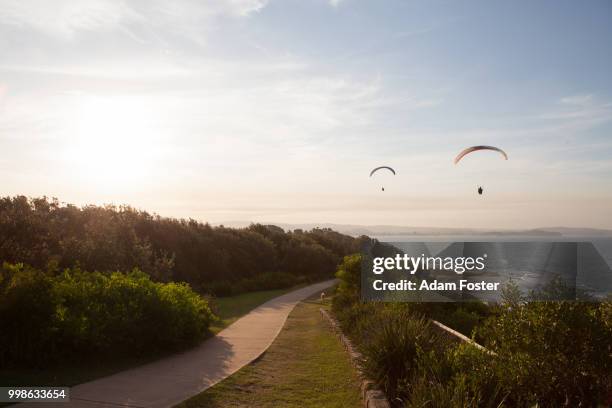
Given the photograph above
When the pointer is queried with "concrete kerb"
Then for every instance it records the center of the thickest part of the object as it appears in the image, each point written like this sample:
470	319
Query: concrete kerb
371	395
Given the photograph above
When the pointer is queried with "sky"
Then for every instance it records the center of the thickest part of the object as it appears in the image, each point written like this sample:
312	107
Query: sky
277	110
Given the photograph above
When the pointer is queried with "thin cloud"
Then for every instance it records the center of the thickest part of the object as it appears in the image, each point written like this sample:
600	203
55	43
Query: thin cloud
581	110
64	18
577	99
141	71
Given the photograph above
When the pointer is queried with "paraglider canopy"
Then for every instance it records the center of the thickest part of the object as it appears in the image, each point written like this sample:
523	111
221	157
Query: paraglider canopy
382	167
469	150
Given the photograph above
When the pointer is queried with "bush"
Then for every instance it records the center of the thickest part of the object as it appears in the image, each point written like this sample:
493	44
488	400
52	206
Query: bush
547	353
567	345
80	314
477	375
434	394
462	316
183	316
267	281
348	290
219	288
263	281
391	355
27	315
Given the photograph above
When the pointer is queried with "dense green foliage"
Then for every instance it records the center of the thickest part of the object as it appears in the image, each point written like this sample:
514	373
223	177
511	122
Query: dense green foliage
52	310
547	353
394	350
568	344
48	235
49	317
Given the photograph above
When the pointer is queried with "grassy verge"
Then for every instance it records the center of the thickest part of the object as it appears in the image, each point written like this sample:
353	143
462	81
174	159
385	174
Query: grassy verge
306	366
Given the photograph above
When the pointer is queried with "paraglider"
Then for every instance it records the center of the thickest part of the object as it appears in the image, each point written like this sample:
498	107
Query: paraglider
469	150
380	168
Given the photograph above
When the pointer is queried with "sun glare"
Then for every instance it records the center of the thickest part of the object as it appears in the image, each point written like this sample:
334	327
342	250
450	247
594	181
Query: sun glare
111	144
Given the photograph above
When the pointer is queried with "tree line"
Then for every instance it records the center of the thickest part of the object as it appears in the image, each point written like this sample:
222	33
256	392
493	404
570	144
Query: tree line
53	236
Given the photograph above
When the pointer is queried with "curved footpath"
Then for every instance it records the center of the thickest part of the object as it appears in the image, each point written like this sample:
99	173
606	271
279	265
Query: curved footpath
171	380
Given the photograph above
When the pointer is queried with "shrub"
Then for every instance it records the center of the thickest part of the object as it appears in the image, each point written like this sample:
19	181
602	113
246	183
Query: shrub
263	281
434	394
348	290
463	316
477	374
27	314
267	281
80	314
558	352
547	353
219	288
391	355
183	316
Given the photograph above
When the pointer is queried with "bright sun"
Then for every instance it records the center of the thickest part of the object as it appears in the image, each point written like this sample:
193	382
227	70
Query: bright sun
111	144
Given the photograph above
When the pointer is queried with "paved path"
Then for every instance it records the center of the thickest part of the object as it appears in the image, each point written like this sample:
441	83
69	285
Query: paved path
171	380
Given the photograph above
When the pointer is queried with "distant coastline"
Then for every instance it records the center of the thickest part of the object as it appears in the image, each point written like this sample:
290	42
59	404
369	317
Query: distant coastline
392	230
486	233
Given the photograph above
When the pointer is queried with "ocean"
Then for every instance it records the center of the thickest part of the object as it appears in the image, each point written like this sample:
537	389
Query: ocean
588	264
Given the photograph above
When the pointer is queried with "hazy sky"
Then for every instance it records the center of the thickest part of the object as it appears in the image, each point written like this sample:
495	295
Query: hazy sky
277	110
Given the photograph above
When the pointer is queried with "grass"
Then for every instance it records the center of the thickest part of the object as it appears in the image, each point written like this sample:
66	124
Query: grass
306	366
229	309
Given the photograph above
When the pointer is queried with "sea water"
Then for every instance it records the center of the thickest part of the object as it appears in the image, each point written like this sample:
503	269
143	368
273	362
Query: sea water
595	280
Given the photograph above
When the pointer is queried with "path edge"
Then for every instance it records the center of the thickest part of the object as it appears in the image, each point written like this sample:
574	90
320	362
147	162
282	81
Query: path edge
371	395
280	329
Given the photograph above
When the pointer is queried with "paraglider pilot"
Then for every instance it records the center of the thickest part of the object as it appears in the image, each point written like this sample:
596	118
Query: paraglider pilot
480	190
382	167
